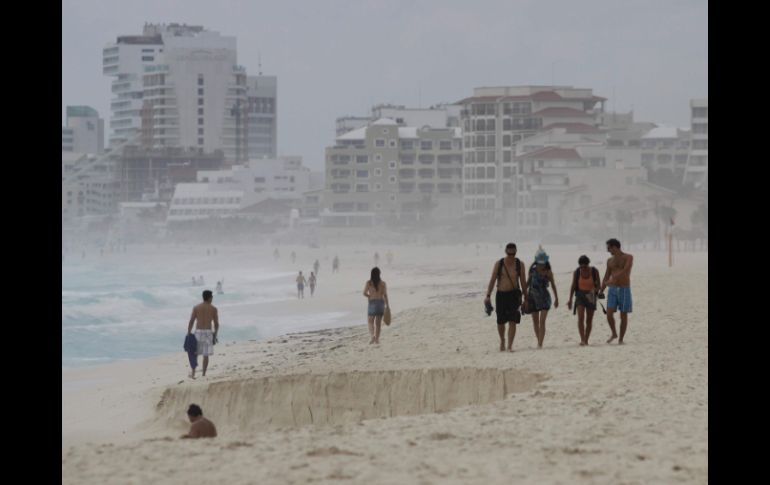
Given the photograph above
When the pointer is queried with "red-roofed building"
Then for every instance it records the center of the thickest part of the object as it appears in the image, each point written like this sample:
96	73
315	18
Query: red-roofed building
496	120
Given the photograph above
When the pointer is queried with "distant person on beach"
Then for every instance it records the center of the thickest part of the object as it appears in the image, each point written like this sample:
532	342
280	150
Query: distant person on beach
376	291
538	298
389	257
585	287
508	274
276	254
200	427
219	288
376	259
200	281
335	264
202	316
316	266
311	282
293	257
194	281
618	279
301	285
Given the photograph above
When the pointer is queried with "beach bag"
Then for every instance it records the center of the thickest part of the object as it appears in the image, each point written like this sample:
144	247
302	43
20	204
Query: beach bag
386	316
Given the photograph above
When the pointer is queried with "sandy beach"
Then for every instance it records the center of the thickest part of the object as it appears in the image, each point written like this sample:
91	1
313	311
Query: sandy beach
435	402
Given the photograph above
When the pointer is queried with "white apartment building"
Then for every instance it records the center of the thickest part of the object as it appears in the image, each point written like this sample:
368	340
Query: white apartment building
84	131
262	117
388	172
88	185
181	86
495	120
665	147
697	169
225	192
124	60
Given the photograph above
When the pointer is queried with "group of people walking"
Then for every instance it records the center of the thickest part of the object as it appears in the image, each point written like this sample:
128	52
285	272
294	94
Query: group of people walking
528	292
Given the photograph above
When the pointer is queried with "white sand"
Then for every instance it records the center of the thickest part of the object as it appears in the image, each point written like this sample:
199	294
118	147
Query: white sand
440	403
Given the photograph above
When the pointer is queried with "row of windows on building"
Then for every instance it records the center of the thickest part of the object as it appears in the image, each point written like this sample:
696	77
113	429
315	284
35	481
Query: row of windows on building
191	212
509	124
490	109
405	159
403	187
663	158
206	200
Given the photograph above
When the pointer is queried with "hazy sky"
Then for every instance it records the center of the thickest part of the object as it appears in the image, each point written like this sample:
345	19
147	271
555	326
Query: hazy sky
338	57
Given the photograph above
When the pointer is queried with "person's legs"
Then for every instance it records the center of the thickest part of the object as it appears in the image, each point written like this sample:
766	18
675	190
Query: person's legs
501	331
611	322
541	335
511	334
377	324
205	364
623	326
536	324
581	310
589	322
370	321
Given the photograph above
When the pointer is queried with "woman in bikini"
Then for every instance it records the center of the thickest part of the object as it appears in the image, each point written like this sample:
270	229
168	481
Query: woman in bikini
377	292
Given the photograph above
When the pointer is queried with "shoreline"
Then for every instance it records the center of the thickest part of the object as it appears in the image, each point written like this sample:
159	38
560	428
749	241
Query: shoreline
435	401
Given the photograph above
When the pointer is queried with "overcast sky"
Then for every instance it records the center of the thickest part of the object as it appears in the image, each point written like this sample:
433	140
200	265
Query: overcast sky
338	57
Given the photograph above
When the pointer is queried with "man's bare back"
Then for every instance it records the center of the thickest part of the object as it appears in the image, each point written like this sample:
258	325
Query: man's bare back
620	270
202	428
204	313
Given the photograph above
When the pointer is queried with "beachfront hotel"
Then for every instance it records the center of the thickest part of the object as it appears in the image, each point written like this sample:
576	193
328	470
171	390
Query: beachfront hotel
494	120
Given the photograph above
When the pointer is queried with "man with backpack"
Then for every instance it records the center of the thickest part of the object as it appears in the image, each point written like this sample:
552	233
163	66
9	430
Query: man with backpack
585	287
511	284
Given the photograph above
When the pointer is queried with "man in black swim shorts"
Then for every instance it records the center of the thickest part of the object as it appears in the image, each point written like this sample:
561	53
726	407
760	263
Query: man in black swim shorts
511	284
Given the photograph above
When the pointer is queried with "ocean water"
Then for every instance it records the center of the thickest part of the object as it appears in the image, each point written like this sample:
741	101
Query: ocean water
123	306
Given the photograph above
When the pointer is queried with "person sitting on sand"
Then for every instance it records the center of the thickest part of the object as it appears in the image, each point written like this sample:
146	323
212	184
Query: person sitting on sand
618	278
200	427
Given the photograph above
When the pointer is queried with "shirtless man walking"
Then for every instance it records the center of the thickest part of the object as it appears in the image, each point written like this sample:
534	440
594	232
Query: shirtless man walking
508	273
618	279
301	281
204	313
